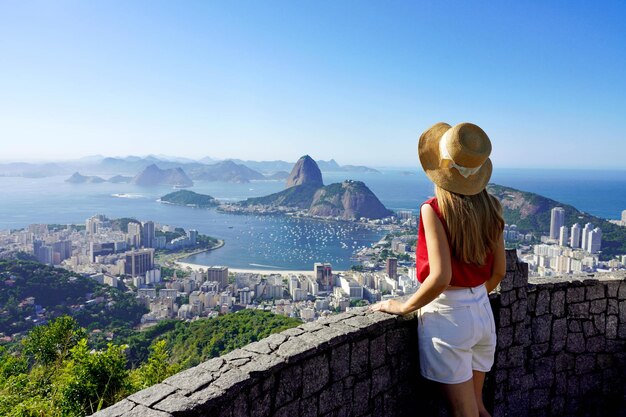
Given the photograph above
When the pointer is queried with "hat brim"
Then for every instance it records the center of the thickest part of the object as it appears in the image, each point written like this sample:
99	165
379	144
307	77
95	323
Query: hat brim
449	178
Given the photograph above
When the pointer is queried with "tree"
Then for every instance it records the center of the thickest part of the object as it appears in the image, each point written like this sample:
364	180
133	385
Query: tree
51	344
156	369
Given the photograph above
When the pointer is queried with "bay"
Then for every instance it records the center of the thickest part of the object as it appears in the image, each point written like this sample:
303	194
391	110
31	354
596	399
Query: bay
274	242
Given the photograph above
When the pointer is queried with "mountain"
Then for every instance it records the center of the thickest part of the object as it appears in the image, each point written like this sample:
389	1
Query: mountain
189	198
348	200
76	178
265	166
226	171
279	175
120	178
305	190
531	212
333	166
305	171
153	175
359	168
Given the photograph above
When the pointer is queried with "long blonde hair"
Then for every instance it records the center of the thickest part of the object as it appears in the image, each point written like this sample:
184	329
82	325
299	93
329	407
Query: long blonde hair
474	223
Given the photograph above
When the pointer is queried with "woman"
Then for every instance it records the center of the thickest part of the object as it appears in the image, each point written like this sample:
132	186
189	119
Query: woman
460	259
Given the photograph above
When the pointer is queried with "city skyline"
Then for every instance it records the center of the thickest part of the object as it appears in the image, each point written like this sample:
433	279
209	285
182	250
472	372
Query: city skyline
357	82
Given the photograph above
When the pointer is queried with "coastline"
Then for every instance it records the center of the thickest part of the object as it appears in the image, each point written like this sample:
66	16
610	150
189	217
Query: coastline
197	267
177	257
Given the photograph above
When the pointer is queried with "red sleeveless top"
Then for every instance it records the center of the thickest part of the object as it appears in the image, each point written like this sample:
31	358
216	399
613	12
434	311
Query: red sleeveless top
463	274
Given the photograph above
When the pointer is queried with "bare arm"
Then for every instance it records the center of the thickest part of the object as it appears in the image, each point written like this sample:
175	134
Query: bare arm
499	266
440	268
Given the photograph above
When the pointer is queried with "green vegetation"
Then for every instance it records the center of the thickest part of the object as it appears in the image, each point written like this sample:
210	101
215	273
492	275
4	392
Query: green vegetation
122	223
531	212
189	198
54	372
200	340
300	196
59	292
359	303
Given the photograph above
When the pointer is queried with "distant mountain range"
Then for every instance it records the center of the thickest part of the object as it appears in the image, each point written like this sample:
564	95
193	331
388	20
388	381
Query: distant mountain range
77	178
227	171
207	167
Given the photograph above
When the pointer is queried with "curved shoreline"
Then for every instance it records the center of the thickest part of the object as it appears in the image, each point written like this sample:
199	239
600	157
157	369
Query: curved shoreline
220	243
197	267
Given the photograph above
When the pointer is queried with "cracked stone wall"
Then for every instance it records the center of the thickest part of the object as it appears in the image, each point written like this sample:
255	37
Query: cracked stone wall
561	345
561	350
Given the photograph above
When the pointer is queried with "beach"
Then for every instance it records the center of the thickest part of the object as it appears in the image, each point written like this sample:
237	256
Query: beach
197	267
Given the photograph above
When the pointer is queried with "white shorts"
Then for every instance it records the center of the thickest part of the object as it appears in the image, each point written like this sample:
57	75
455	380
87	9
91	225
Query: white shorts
456	334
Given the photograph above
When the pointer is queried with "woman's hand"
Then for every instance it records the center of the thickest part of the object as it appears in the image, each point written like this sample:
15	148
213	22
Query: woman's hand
388	306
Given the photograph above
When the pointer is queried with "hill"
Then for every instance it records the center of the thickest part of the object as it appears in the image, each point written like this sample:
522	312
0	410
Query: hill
189	198
58	292
191	343
77	178
348	200
227	171
531	212
153	175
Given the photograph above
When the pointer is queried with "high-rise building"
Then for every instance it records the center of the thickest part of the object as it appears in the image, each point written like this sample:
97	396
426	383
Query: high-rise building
557	219
585	236
94	223
563	236
244	296
219	274
100	249
574	241
323	274
63	248
147	234
38	230
193	236
594	243
392	267
624	217
134	234
138	262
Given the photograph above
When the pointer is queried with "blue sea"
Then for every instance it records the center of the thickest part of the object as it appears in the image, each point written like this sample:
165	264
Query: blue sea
277	242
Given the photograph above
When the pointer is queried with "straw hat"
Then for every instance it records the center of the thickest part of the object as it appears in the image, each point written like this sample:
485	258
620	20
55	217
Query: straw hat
456	158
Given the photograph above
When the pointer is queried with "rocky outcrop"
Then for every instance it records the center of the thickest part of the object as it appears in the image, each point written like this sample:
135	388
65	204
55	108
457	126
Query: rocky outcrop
348	200
77	178
226	171
305	171
153	175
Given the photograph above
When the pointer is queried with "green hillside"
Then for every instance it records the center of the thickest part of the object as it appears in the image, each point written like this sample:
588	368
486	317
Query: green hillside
299	196
531	212
189	198
59	292
191	343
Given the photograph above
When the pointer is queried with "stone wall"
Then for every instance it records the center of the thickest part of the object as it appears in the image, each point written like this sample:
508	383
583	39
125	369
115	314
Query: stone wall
561	351
561	345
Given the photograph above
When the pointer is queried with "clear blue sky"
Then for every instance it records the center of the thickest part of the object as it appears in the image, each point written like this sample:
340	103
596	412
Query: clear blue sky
357	81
